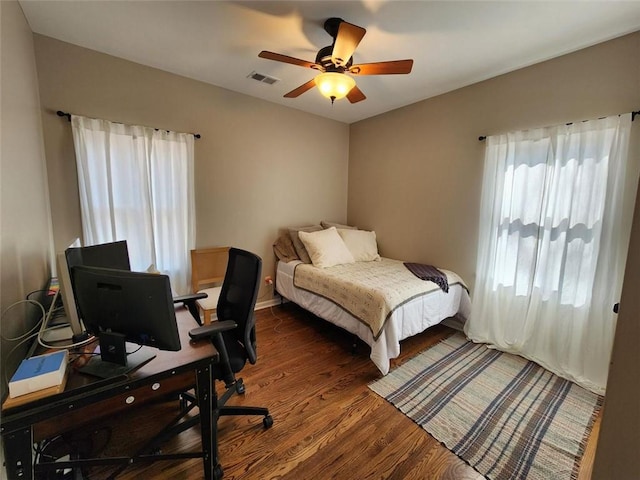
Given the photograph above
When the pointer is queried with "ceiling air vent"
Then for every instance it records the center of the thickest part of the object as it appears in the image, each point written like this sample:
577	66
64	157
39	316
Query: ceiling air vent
261	77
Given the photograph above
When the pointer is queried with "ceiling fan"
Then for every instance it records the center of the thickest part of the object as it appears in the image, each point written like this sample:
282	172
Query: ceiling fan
336	62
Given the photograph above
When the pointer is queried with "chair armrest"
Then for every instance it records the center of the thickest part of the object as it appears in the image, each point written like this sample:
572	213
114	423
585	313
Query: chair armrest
189	301
189	297
209	331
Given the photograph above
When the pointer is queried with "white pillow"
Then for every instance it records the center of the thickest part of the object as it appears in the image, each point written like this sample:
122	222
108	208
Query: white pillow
362	244
298	245
326	248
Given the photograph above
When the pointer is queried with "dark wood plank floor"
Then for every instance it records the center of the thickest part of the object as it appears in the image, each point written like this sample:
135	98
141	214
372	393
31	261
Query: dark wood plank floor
327	423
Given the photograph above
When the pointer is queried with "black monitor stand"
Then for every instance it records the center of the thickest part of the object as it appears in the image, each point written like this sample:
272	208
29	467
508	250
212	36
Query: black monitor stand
117	356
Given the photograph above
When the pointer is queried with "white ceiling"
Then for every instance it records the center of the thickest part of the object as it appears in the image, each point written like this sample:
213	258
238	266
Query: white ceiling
453	43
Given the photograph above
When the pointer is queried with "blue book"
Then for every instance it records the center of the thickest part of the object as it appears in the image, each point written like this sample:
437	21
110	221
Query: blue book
39	372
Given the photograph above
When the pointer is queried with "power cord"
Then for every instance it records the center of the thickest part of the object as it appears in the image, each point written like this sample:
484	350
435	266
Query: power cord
280	320
36	331
269	283
37	325
269	291
25	337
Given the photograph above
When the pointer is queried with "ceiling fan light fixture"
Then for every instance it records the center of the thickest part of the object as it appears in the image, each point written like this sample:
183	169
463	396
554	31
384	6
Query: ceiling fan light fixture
334	82
334	85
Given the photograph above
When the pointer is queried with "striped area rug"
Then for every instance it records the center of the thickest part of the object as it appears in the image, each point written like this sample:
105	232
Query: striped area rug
505	416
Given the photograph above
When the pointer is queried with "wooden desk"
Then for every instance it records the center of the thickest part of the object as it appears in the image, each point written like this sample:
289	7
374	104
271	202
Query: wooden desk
87	399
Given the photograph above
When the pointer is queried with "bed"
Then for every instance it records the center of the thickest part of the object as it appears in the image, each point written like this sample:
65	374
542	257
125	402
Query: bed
377	299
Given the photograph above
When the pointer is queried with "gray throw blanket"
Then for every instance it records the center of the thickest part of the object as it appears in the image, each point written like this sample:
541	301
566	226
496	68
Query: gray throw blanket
430	273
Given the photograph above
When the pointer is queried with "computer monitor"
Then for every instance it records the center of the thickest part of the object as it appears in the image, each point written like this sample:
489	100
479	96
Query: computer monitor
107	255
68	299
124	308
63	322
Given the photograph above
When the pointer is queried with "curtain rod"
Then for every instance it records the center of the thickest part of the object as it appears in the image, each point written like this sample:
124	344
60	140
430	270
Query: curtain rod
633	116
60	113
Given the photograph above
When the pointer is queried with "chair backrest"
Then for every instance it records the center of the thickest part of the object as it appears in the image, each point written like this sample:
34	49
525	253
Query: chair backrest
238	298
208	267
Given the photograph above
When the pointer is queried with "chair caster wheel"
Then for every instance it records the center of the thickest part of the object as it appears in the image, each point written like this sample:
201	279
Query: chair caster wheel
240	388
267	421
217	472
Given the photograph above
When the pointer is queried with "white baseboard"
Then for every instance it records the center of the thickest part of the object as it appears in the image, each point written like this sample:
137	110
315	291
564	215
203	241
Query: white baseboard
269	303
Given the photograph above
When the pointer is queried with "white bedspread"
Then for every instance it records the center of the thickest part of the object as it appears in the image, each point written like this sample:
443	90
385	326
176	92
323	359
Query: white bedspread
370	291
410	318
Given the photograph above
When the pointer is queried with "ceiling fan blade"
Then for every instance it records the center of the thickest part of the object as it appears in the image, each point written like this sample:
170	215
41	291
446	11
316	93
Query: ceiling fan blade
301	89
278	57
383	68
347	40
355	95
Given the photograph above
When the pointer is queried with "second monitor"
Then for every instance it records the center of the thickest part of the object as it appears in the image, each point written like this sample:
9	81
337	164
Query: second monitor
123	308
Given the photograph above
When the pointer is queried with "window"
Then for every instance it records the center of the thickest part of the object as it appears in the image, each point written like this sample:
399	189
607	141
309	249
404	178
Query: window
552	207
136	184
555	219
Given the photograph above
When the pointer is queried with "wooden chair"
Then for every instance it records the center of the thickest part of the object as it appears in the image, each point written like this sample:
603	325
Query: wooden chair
208	268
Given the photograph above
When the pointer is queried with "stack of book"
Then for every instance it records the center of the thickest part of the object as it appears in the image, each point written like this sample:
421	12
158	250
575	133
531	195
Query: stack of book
37	377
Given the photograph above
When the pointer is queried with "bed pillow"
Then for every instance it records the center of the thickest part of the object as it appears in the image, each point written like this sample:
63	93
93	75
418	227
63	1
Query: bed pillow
337	225
284	250
361	243
297	243
326	248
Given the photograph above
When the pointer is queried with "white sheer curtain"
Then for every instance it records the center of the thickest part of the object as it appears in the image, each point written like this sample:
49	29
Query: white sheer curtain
136	184
555	218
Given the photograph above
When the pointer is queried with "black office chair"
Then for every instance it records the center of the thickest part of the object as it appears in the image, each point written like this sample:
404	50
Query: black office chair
234	335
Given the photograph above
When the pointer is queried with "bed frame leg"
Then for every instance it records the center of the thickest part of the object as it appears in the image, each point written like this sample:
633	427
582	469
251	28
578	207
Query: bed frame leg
354	345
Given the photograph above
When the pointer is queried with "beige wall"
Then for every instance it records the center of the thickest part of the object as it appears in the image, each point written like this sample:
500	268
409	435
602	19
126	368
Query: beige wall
258	166
24	216
415	177
415	173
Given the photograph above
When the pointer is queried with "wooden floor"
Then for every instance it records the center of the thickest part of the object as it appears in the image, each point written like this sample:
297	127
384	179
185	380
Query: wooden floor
327	423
